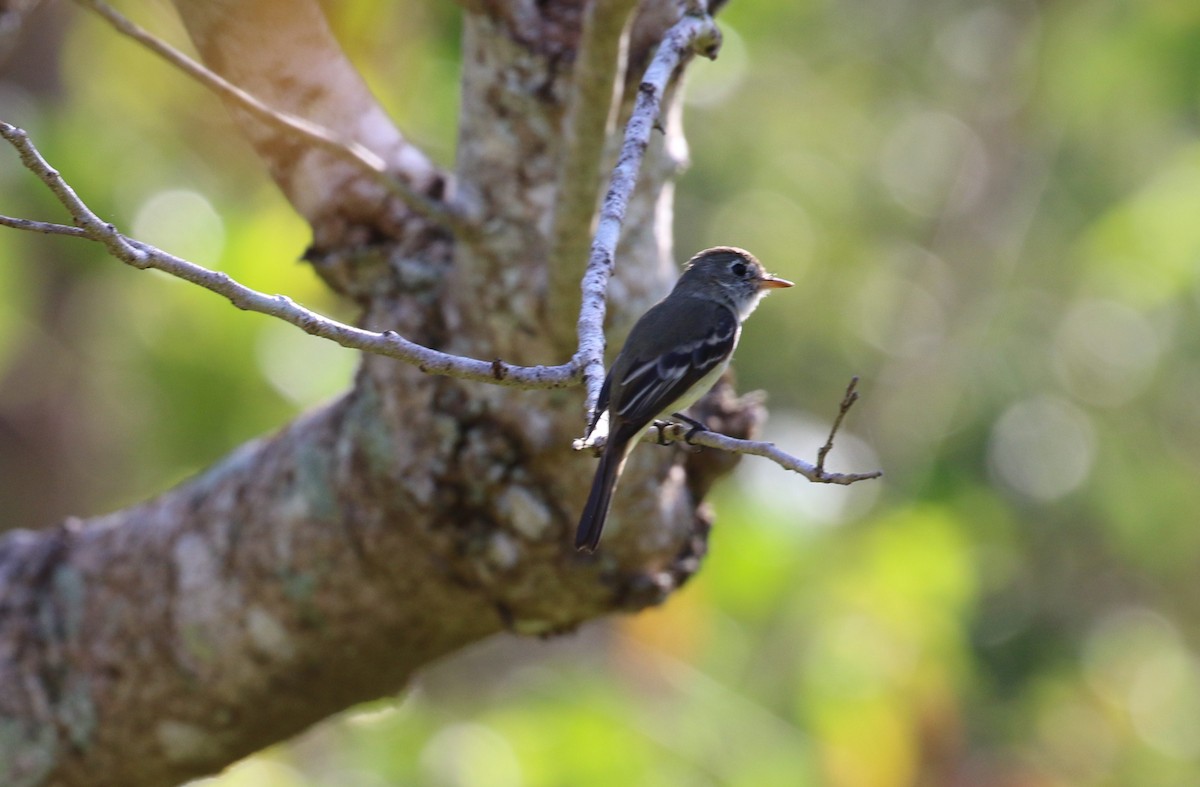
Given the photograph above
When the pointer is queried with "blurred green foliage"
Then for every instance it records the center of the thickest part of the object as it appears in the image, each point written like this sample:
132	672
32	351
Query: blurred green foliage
991	210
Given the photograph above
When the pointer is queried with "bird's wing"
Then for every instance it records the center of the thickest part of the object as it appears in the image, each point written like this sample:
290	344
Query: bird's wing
651	385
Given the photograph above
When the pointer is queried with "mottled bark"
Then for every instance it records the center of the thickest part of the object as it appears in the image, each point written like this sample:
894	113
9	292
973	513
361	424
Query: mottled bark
322	566
283	52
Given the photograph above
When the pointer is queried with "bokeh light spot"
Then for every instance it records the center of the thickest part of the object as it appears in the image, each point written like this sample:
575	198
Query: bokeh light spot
1164	702
1119	644
255	772
1042	448
933	162
1105	352
470	755
303	368
797	504
710	86
184	223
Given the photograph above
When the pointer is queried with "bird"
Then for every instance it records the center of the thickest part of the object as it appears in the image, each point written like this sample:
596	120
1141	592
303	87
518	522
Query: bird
675	353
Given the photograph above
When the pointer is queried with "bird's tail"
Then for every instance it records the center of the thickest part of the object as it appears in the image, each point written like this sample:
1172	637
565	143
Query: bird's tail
587	537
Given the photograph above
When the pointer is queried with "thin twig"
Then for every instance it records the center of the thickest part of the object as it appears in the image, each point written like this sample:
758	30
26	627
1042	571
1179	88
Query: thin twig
848	401
93	226
357	154
44	227
815	473
389	343
669	431
692	33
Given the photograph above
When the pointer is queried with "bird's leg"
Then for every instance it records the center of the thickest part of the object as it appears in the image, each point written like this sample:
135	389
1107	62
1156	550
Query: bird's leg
661	425
695	425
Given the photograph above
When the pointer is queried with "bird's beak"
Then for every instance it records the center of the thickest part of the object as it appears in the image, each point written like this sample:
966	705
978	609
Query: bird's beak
770	282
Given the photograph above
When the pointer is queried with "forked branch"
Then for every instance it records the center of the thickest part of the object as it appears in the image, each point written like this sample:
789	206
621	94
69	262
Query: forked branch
143	255
358	155
695	32
692	33
675	432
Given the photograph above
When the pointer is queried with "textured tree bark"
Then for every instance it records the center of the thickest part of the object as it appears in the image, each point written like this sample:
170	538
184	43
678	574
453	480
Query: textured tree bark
321	566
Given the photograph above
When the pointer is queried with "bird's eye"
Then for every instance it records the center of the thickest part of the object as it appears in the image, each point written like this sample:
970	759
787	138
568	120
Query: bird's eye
739	269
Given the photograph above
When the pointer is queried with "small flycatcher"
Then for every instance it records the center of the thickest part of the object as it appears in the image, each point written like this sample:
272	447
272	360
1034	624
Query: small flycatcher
674	354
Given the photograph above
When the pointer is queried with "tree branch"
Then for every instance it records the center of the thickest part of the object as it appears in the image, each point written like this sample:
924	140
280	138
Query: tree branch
816	473
690	34
44	227
143	255
322	565
848	400
358	155
249	587
667	432
598	79
695	32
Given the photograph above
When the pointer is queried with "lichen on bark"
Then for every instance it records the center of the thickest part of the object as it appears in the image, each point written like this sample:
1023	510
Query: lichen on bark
322	565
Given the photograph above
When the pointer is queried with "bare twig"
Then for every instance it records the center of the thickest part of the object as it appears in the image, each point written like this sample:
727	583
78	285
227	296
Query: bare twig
848	401
389	343
692	33
357	154
667	432
44	227
92	225
815	473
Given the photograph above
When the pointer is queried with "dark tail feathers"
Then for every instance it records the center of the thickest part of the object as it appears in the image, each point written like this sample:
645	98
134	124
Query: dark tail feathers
587	537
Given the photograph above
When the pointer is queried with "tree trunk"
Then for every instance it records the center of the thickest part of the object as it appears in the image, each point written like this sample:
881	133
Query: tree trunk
321	566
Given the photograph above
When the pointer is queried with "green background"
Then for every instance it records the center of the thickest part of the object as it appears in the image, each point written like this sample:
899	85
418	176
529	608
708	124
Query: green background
992	212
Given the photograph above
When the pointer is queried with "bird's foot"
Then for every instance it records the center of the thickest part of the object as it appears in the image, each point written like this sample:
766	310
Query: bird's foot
696	426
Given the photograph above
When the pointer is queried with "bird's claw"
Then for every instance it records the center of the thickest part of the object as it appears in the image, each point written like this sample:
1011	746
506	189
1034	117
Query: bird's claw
696	426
